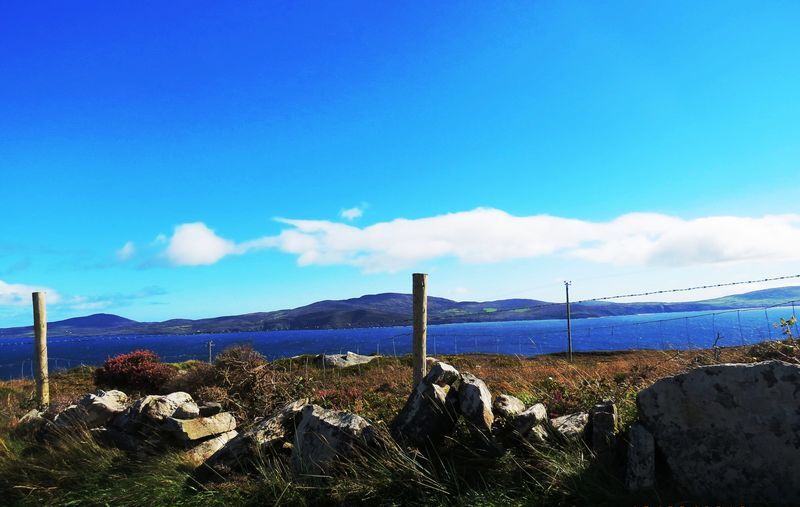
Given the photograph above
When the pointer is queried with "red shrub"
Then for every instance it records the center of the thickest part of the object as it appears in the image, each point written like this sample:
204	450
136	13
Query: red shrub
140	370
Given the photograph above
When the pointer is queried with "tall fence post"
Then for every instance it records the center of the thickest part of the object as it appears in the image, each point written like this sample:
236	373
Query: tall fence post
569	323
40	349
420	309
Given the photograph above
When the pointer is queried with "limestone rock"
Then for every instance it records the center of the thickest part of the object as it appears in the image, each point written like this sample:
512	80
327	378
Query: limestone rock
343	360
441	374
532	423
474	402
204	450
640	471
507	406
729	433
324	435
241	452
603	418
201	427
93	410
571	425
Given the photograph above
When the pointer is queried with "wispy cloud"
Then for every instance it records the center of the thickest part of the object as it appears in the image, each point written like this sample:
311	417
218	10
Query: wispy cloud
18	294
352	213
487	235
127	251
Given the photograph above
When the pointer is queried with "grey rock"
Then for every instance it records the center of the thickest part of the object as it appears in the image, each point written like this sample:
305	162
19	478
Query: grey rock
343	360
640	470
603	419
30	423
198	454
507	406
178	405
570	426
241	452
474	402
729	433
92	411
201	427
426	417
441	374
531	423
323	436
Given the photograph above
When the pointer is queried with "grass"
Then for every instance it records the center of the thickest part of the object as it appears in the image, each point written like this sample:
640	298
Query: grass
76	471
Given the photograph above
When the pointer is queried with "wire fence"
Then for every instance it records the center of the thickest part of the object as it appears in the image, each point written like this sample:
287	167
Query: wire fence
670	331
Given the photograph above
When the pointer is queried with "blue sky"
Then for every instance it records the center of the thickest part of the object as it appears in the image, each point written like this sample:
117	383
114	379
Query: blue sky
184	129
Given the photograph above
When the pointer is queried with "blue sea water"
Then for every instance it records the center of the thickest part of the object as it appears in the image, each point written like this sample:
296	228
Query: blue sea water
682	330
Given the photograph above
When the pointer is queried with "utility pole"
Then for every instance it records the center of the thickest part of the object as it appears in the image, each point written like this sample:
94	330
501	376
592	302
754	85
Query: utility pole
569	323
210	344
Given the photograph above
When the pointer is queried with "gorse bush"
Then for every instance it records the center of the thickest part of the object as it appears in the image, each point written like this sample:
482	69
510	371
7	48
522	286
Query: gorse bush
140	370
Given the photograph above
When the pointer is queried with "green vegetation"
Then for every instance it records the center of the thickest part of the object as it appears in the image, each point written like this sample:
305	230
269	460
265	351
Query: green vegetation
75	470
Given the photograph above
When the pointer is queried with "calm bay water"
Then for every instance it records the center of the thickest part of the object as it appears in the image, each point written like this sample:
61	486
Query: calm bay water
652	331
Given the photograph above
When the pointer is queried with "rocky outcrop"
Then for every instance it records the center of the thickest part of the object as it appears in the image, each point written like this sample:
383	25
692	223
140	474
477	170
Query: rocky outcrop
188	430
323	436
343	360
729	433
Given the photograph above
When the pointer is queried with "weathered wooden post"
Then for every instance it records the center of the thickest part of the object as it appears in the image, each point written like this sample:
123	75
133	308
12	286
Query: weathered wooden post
40	349
420	308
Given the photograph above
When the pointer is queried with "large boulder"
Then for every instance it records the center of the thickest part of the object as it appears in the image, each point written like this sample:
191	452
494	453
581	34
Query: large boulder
729	433
187	430
507	406
323	436
244	451
427	417
207	448
93	410
179	405
474	402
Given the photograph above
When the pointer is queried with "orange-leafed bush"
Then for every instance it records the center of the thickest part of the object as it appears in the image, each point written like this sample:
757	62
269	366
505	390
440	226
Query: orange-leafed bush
140	370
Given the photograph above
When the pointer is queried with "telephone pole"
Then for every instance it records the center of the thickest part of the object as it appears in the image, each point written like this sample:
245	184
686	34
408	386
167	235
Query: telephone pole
569	323
210	344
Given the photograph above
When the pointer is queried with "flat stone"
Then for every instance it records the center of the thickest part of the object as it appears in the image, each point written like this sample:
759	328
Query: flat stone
323	436
729	433
571	426
640	470
343	360
201	427
507	406
204	450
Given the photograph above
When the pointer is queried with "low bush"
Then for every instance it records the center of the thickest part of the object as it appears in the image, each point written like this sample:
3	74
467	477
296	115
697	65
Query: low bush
140	370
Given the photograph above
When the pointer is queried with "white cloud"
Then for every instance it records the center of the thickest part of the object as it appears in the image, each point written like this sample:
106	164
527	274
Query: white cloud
195	244
127	251
17	294
352	213
487	235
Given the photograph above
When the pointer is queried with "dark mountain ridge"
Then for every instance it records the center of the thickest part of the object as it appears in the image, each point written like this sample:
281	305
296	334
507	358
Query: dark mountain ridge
394	309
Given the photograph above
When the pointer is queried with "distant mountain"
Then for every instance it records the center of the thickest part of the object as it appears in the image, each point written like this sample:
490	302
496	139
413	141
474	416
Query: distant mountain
392	309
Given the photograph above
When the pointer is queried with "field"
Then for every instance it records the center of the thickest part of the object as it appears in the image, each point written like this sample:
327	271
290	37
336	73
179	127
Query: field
76	471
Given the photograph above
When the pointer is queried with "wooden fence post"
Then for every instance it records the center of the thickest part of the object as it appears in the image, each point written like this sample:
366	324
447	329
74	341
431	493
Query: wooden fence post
420	308
40	349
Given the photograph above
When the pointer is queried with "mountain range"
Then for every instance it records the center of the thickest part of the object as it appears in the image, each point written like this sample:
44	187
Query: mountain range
392	309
